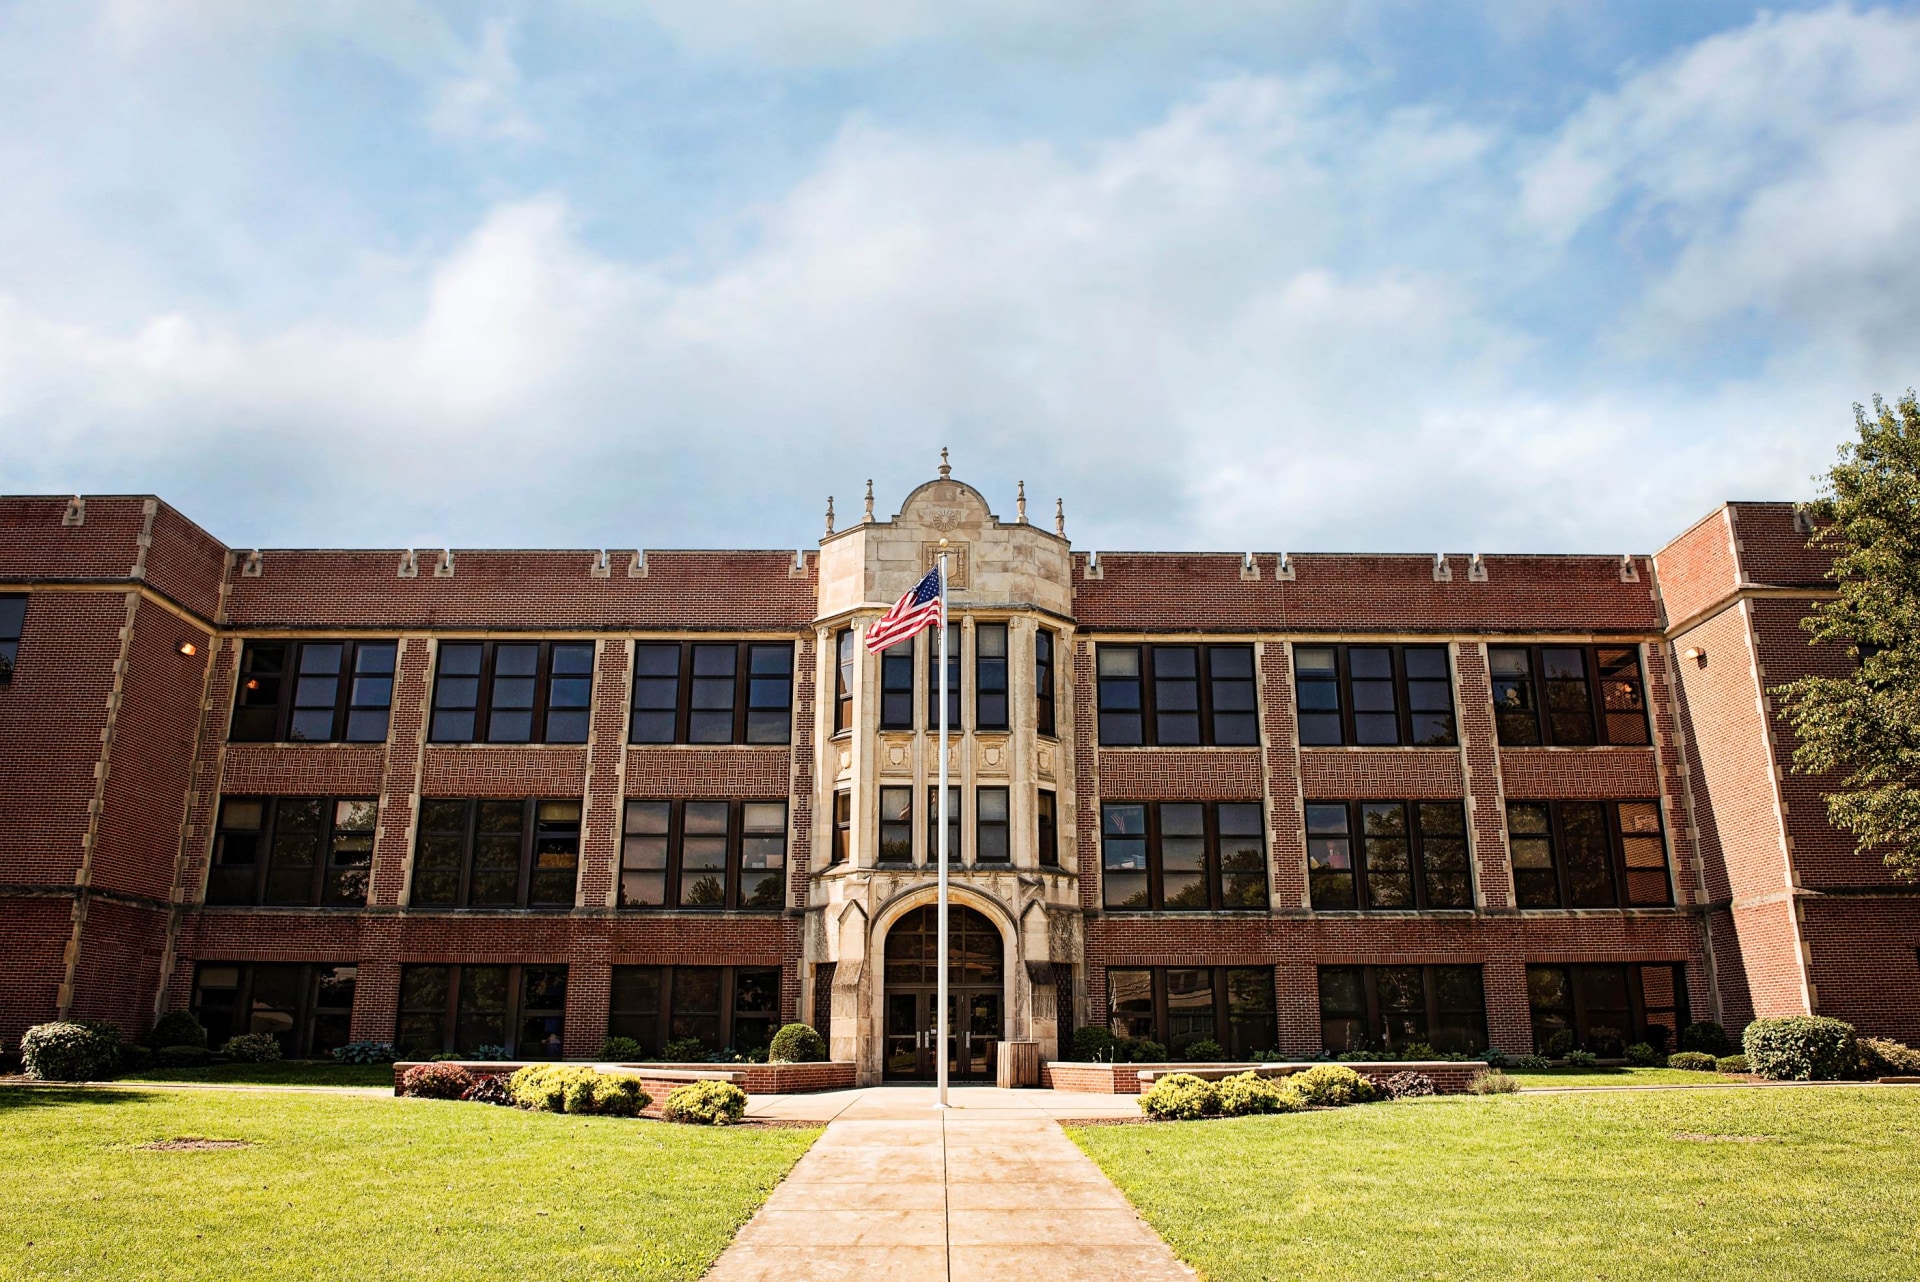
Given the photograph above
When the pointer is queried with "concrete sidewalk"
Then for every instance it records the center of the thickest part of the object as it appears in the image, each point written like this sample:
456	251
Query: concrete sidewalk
978	1192
915	1103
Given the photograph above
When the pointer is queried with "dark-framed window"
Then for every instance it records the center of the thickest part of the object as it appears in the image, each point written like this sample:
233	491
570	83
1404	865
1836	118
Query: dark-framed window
1173	695
896	686
933	680
518	1009
732	1008
307	1006
512	692
953	824
992	826
704	854
482	853
990	676
1047	816
843	680
732	692
1175	1005
1568	695
1374	695
1383	1008
313	692
1043	646
1183	855
1388	855
896	825
293	851
1607	1006
842	826
1588	854
13	621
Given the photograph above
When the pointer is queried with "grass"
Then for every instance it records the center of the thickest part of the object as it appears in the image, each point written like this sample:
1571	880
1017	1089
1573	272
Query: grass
285	1072
1617	1077
1820	1183
338	1187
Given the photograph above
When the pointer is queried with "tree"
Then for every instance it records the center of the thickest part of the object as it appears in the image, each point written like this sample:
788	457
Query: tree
1866	726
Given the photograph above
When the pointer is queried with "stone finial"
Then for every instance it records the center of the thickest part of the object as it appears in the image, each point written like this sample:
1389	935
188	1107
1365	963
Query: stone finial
798	570
1283	568
1060	517
76	513
251	567
1249	568
829	514
1094	569
945	470
409	565
1442	572
869	516
602	565
1020	502
1629	569
1477	569
443	568
637	568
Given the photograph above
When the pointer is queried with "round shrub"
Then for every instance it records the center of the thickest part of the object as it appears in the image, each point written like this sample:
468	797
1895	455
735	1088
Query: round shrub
1560	1043
1731	1064
1493	1082
365	1053
1139	1050
488	1090
615	1095
706	1104
177	1028
1528	1063
1334	1085
797	1044
1883	1057
621	1048
436	1081
1605	1042
685	1050
1416	1051
576	1088
1801	1048
491	1053
252	1048
1203	1050
1581	1059
542	1087
1407	1085
1705	1035
1180	1097
1642	1055
1246	1093
1093	1045
1693	1061
67	1052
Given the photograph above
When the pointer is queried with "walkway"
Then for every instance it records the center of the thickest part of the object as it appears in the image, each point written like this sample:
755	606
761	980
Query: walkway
990	1189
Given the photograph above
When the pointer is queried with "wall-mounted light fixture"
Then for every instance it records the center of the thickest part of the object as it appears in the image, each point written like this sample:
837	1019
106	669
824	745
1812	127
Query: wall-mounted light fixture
1695	653
189	648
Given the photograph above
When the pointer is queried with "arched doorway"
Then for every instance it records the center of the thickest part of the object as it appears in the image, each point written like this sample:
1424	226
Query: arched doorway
976	981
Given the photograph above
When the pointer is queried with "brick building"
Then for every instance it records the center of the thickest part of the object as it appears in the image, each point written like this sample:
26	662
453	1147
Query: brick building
534	798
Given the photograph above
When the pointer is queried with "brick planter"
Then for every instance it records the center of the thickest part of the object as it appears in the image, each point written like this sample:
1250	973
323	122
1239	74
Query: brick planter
658	1080
1449	1077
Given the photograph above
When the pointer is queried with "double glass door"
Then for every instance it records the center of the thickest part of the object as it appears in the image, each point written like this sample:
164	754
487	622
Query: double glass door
973	1033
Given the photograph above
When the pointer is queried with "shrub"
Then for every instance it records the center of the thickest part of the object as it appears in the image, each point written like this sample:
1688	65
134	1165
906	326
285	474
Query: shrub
1581	1059
797	1044
1267	1057
177	1028
1882	1057
183	1057
1605	1042
1493	1082
1801	1048
252	1048
365	1053
1139	1050
1495	1057
614	1094
1527	1063
1203	1050
488	1090
1093	1045
492	1054
1407	1085
1247	1093
1333	1085
684	1050
1642	1055
1416	1051
622	1048
1180	1097
706	1104
1707	1036
134	1057
67	1052
1693	1061
1731	1064
436	1081
1560	1043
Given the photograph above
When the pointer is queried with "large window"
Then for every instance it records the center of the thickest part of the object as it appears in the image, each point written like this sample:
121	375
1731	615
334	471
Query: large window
896	686
1175	1005
953	824
313	692
704	854
993	830
713	692
1185	855
520	1010
308	1007
1383	1008
896	825
13	619
725	1008
474	853
842	826
1374	695
1605	1008
293	850
1043	643
1568	696
1588	854
844	676
1173	695
933	681
1048	822
990	676
512	692
1388	855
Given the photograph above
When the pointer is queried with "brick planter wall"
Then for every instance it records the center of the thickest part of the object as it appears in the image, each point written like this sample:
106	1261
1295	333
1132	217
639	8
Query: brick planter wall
1449	1077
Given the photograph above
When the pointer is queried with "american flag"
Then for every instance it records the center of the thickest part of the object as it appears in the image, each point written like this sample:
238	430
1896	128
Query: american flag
911	615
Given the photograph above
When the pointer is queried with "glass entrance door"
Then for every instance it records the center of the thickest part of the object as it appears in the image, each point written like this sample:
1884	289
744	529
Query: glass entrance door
973	1033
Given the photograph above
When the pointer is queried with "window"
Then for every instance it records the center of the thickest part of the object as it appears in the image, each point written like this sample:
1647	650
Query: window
843	679
992	833
1394	694
1605	1008
896	686
1175	1005
307	1007
990	676
518	1010
1383	1008
1049	834
896	825
933	681
13	617
731	1008
512	692
1183	855
474	853
292	850
1410	854
704	854
1568	696
842	826
709	706
313	692
1584	854
953	824
1171	695
1043	642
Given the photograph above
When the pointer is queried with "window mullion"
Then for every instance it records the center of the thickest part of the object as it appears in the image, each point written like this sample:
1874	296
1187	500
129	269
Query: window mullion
676	828
269	812
468	843
742	691
1357	852
1596	700
1162	1017
542	683
1416	854
1210	825
1203	691
736	822
724	1033
343	692
1376	1026
323	853
283	707
1149	706
1543	723
1343	681
1402	697
1156	869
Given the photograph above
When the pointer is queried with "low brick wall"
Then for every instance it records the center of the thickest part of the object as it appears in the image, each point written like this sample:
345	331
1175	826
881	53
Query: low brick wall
658	1079
1449	1077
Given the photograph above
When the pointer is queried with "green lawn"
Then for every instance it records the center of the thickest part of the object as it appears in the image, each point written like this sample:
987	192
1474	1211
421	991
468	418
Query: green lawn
338	1187
286	1072
1711	1185
1617	1077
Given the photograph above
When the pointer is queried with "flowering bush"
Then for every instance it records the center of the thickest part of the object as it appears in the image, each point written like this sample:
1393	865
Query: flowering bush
488	1090
1407	1085
436	1081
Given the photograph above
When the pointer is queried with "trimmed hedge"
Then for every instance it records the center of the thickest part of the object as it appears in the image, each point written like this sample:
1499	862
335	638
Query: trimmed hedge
1248	1093
1731	1064
797	1044
1203	1050
622	1048
1802	1048
63	1051
1180	1097
706	1104
1883	1057
436	1081
576	1088
252	1048
1694	1062
1334	1085
1642	1055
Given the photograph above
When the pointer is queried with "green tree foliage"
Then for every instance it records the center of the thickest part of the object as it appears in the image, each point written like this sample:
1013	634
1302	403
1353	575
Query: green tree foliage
1866	727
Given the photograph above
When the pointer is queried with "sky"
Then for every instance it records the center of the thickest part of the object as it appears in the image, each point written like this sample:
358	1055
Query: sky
1312	275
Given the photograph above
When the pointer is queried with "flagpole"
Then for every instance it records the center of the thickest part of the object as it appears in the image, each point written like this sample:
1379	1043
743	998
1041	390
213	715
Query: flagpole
941	998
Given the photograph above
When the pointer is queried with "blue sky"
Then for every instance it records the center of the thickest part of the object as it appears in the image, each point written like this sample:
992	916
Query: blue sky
1317	275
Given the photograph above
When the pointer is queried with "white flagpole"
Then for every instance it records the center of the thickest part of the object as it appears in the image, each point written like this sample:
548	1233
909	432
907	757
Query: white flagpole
941	998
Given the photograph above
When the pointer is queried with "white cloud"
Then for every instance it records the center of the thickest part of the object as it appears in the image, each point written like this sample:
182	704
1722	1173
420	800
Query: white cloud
482	100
